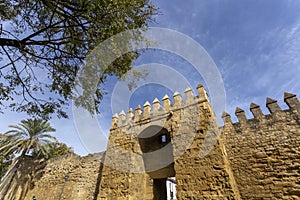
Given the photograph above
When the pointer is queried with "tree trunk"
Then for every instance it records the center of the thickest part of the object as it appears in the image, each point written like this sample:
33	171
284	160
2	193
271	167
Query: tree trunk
23	154
10	176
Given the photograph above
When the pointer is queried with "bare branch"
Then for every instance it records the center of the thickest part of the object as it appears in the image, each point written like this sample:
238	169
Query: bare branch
21	81
11	42
41	31
11	63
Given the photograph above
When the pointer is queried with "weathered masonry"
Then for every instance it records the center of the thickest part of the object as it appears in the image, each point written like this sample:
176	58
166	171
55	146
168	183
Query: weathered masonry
167	141
264	152
256	158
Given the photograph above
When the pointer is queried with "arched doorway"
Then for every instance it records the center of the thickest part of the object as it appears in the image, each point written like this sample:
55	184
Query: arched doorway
157	149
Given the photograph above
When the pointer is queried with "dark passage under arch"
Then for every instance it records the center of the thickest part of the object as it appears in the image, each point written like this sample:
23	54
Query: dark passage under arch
157	149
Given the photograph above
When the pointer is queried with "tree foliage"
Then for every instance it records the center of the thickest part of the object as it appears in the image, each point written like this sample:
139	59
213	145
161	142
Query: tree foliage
5	162
30	135
58	149
43	43
29	138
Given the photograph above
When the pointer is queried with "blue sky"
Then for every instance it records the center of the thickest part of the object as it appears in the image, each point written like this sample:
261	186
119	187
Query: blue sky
254	43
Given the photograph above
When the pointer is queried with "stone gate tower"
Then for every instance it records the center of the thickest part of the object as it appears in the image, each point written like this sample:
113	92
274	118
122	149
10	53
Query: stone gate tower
253	158
179	139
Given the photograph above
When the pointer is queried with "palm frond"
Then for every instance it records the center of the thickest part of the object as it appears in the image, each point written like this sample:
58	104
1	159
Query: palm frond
30	134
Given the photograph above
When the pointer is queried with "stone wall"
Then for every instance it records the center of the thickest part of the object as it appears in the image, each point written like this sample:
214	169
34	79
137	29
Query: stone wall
255	158
201	171
45	180
264	152
194	155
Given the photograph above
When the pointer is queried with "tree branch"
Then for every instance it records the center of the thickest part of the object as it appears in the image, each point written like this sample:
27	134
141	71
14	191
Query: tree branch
19	78
11	42
4	66
40	31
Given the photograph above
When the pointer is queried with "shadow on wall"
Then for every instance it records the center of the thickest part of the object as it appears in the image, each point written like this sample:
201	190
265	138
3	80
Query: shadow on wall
99	177
14	184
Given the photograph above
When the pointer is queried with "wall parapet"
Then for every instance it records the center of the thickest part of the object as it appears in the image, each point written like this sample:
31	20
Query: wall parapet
290	99
158	109
263	151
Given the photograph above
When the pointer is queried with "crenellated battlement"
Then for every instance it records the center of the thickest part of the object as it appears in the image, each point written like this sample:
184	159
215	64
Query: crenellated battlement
159	108
167	137
255	158
290	99
263	151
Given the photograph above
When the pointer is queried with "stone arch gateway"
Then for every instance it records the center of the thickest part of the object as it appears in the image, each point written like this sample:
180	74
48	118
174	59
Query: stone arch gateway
148	145
256	158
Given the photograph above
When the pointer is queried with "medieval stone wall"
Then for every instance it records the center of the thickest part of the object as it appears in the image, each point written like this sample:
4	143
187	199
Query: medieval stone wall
198	158
255	158
45	180
264	152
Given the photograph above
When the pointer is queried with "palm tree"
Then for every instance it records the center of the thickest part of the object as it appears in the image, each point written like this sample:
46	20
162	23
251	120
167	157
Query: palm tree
30	134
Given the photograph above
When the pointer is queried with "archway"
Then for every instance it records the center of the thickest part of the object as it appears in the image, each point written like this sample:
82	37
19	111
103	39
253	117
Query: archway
157	149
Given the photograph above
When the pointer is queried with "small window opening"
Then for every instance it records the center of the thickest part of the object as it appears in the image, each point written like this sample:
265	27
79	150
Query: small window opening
163	138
